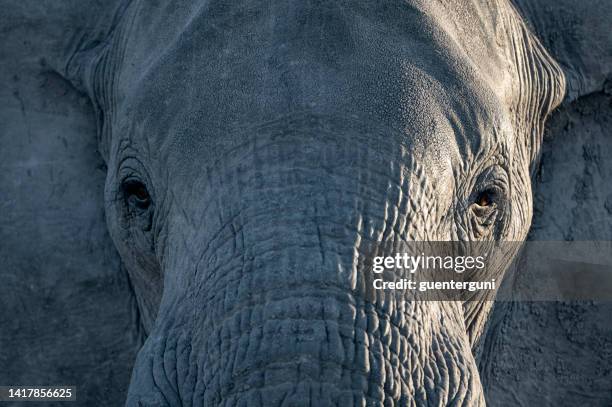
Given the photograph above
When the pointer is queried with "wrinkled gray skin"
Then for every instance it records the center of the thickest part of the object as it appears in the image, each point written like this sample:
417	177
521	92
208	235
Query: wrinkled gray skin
254	152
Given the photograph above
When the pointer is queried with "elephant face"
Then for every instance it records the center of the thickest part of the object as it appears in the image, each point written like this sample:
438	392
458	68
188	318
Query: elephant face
256	149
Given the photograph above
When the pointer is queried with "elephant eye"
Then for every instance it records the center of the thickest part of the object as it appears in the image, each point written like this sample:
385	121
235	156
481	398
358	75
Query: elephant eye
485	204
485	198
136	194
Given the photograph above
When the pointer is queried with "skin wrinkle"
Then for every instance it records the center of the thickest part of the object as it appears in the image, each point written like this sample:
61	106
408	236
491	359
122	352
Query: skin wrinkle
415	206
380	153
346	366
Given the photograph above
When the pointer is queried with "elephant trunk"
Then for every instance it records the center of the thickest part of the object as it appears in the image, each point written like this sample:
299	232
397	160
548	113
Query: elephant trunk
265	291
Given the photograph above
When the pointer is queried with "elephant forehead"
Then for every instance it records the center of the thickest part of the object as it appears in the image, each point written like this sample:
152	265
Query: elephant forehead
217	68
299	52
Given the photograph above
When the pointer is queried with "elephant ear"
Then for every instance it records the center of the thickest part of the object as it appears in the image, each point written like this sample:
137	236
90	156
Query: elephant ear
578	36
68	316
545	352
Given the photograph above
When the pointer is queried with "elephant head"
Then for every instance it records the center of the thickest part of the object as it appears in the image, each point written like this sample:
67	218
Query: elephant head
255	149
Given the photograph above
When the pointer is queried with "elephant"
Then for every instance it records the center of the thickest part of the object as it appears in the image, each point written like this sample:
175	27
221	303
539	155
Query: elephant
253	151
